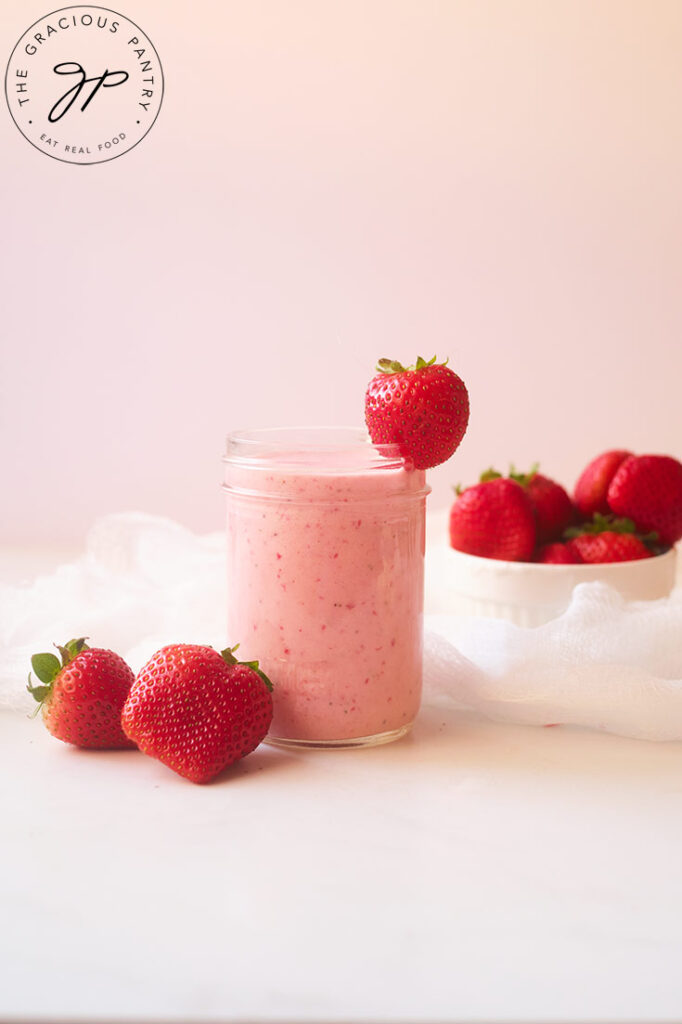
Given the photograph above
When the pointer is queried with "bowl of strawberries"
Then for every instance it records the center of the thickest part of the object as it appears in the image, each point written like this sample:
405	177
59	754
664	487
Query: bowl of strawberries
520	544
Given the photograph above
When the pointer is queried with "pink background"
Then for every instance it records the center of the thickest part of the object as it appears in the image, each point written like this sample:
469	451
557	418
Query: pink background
328	183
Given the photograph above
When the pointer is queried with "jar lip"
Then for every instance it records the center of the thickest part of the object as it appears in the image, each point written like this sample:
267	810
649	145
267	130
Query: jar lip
261	444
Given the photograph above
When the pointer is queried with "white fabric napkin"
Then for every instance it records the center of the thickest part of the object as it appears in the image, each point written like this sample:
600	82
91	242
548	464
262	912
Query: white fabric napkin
144	582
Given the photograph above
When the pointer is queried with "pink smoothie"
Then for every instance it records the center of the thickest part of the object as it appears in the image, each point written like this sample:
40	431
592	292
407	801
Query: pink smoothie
326	591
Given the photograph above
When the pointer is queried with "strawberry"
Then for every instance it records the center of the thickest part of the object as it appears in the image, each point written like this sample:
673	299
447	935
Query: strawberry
608	539
494	519
423	409
553	508
648	489
592	486
608	546
556	554
198	711
81	697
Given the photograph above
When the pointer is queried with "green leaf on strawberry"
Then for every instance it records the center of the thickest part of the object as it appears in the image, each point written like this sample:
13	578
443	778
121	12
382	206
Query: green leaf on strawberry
489	474
524	478
45	666
612	524
600	522
393	366
228	657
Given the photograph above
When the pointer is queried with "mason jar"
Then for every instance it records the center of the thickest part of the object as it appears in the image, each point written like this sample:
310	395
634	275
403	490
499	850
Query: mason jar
325	542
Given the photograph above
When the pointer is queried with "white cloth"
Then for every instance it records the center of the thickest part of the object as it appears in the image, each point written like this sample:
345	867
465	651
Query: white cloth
144	582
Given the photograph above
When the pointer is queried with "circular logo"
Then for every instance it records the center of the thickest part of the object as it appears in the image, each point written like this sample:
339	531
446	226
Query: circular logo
84	84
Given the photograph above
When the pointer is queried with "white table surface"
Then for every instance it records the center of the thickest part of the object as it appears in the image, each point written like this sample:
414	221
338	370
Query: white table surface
471	872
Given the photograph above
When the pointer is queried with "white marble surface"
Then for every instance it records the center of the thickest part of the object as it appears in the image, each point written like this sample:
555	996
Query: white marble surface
472	872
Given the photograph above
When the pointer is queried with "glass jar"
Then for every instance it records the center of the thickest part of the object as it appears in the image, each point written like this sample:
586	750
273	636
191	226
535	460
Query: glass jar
325	541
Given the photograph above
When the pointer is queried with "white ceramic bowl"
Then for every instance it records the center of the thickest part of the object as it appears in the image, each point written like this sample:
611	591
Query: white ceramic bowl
528	593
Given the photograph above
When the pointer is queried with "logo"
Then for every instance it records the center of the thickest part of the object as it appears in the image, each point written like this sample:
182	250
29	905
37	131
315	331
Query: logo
84	84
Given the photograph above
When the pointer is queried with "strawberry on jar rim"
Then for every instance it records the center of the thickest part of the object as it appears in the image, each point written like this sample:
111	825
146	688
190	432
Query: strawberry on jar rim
423	409
81	697
494	519
198	711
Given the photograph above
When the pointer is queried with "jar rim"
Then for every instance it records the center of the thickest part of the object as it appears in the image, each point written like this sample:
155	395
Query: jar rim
254	446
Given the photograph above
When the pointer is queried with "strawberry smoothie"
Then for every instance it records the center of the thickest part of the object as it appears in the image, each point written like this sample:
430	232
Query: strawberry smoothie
325	581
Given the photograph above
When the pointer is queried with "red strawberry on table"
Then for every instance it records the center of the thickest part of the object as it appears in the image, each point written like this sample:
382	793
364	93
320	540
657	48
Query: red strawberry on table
648	489
198	711
554	509
608	539
593	484
494	519
424	409
556	553
81	697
